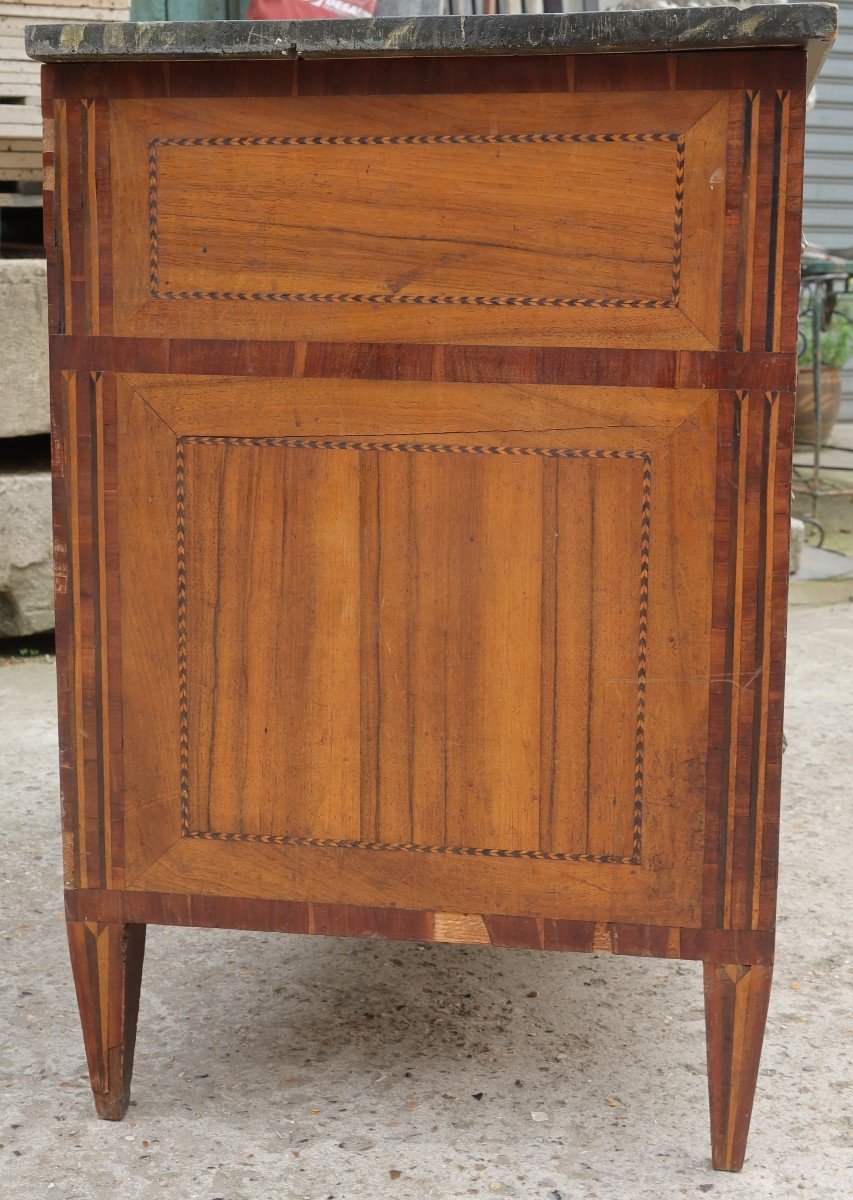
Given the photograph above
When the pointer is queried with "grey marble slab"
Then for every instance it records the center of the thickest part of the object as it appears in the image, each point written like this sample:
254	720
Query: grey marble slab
810	25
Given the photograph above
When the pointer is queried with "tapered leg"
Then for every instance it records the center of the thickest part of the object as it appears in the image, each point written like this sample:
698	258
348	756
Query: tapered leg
107	965
736	999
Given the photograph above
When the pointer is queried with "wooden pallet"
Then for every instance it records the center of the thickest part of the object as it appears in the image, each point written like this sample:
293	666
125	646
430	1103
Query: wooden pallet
20	112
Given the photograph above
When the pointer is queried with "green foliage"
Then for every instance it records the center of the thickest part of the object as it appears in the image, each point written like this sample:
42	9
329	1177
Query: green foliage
836	343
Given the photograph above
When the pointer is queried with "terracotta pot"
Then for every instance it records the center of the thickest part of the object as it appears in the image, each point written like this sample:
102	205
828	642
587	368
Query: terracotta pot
830	403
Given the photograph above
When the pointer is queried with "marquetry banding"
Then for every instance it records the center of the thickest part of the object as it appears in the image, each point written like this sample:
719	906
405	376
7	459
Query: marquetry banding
419	299
88	143
749	659
101	682
69	404
742	401
295	443
776	250
678	220
414	300
153	237
62	231
270	839
180	502
764	650
519	932
749	193
420	139
642	663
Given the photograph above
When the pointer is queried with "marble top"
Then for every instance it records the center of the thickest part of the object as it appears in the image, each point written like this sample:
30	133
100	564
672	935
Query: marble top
811	25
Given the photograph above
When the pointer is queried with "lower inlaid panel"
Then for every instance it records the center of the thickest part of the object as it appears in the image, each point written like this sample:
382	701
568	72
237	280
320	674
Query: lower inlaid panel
423	628
437	646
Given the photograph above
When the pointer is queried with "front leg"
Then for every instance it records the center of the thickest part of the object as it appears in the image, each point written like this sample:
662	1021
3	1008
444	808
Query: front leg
736	999
107	964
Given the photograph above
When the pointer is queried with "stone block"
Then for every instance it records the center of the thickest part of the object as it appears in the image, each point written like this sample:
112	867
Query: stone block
26	553
24	395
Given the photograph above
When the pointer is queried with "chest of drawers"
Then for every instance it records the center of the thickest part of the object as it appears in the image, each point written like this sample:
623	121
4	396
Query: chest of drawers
422	403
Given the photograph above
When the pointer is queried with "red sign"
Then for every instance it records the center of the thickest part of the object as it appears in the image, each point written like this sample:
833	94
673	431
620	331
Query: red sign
308	10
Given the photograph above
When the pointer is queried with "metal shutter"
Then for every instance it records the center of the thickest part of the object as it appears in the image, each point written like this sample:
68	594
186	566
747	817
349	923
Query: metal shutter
828	211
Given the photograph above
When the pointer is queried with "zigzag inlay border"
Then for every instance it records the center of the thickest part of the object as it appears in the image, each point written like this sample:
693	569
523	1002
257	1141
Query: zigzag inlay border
406	447
408	298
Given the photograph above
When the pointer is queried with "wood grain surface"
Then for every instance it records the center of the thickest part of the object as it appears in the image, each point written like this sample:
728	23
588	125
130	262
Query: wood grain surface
736	1000
761	205
506	931
106	958
422	438
379	229
457	626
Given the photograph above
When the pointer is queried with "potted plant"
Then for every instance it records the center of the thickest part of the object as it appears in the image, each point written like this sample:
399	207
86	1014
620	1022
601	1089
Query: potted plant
836	348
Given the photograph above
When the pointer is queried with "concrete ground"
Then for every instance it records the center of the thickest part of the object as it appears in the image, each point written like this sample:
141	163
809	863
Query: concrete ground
310	1069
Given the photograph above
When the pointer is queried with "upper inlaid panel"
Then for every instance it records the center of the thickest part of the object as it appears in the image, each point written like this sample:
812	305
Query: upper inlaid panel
438	218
